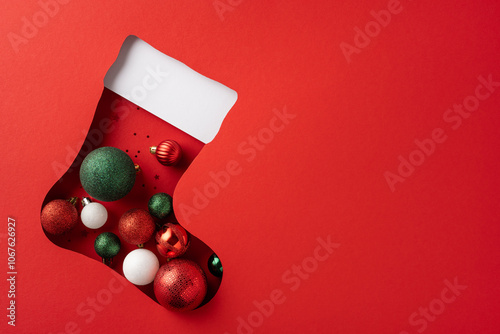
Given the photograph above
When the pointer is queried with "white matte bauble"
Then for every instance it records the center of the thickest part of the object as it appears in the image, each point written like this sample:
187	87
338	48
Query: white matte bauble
140	266
94	215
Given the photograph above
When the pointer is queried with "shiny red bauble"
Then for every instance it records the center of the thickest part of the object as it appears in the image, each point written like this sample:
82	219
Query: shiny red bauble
136	226
168	152
180	285
172	240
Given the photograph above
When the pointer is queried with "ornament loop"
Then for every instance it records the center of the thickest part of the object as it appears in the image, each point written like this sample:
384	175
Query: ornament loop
73	200
85	201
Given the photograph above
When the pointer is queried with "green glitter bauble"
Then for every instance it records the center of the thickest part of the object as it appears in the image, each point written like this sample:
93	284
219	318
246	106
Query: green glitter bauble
107	174
160	205
214	265
107	245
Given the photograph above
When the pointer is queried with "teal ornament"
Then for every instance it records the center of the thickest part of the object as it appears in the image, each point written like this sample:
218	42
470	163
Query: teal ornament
214	265
107	174
160	205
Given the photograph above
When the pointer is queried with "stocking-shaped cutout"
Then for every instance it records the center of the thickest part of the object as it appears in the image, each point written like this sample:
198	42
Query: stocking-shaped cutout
158	113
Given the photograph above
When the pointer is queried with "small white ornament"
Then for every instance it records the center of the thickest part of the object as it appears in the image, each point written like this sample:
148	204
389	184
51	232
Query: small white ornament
94	215
140	266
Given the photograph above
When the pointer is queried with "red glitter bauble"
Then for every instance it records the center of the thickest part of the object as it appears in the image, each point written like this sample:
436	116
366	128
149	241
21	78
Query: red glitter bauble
180	285
172	240
168	152
136	226
58	216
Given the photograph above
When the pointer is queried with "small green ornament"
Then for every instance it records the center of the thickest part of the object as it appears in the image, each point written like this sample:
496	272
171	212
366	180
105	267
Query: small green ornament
214	265
160	205
107	245
107	174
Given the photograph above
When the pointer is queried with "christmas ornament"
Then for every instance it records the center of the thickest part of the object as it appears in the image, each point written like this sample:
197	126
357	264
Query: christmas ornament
214	265
136	226
180	285
160	205
172	240
168	152
107	245
140	266
107	174
94	215
59	216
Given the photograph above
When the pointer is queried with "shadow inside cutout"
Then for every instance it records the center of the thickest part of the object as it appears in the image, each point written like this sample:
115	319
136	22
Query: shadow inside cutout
122	124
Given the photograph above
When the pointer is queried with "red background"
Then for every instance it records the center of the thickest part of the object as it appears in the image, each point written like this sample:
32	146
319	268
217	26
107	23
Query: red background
322	175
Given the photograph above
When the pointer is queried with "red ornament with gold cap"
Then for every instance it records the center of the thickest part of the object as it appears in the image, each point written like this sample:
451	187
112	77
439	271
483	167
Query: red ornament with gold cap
168	152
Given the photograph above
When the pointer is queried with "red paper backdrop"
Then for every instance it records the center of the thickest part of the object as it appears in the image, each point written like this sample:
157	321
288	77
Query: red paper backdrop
320	176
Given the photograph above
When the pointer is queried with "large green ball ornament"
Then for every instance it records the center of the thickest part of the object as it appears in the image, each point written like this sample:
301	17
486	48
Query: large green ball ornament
160	205
107	174
107	245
